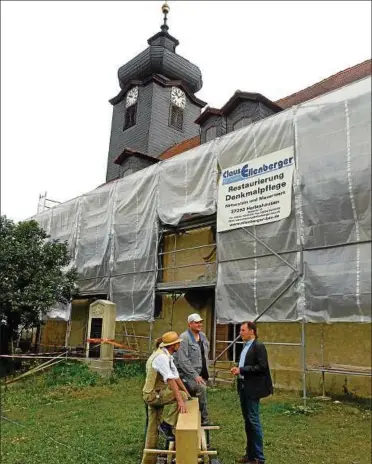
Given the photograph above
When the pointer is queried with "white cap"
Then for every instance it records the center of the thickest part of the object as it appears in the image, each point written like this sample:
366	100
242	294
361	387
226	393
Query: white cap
194	318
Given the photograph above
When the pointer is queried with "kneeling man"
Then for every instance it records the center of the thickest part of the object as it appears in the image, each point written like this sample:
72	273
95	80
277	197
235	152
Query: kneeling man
163	386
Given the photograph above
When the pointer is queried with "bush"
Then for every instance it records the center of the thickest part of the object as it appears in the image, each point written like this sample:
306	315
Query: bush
70	373
127	370
78	374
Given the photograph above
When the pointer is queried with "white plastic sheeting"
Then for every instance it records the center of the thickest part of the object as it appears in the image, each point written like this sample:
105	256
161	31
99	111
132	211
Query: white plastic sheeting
61	224
64	224
94	239
334	153
338	283
251	142
246	287
134	255
113	231
60	312
331	207
187	184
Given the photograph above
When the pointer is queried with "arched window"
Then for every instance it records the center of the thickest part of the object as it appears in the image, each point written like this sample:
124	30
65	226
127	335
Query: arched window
176	117
130	116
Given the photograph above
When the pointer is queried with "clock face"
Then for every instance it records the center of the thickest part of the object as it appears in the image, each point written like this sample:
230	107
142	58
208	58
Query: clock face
132	96
178	97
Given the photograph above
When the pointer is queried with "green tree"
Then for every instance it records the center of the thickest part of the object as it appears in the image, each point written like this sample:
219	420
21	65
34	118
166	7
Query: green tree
33	276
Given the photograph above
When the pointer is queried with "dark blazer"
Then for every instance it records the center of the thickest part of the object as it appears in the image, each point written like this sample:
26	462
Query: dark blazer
256	371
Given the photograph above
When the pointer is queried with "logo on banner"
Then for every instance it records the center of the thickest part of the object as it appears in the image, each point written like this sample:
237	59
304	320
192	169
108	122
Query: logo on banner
235	175
256	192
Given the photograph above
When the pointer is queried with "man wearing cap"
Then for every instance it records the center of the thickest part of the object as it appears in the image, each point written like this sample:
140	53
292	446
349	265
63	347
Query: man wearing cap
163	386
192	362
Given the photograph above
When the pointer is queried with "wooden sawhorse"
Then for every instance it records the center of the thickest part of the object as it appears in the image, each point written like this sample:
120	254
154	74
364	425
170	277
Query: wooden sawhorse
191	442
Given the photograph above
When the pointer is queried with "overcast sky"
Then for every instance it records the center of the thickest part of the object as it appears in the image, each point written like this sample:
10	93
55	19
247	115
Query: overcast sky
59	63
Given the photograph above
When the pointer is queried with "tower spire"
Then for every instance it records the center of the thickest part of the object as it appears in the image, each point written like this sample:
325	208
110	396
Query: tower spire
163	38
165	9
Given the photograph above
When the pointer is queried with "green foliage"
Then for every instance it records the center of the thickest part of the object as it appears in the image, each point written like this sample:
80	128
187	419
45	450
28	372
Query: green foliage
127	370
105	424
33	273
77	374
301	409
72	374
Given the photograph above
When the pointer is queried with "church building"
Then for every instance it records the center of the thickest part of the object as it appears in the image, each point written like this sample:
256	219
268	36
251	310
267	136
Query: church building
157	116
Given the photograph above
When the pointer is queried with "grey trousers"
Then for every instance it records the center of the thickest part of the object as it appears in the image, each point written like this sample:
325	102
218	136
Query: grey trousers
200	391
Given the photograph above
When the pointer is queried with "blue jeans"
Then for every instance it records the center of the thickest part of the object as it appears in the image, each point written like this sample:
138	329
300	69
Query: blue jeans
253	429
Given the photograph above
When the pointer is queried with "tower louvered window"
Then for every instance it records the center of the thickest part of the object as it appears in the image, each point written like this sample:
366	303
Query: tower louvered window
130	117
176	117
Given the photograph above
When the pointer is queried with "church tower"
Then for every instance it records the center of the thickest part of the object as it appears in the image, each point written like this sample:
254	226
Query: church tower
156	107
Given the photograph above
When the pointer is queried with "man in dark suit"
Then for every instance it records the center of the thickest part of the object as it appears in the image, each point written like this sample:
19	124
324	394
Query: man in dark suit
254	382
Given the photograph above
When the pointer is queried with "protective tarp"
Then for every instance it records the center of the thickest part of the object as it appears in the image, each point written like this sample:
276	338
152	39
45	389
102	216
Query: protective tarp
134	296
187	185
338	283
44	220
64	225
61	224
112	232
60	312
259	139
247	287
134	258
94	240
331	206
334	152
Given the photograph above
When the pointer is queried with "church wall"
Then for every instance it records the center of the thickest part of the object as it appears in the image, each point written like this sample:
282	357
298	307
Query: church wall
172	317
132	164
136	137
245	109
162	136
53	336
344	344
174	262
265	111
218	121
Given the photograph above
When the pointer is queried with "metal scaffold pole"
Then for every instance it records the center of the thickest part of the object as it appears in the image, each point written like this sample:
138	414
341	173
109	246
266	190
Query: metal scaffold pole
303	356
150	336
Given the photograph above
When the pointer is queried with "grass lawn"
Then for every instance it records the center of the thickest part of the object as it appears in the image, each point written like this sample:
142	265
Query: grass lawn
104	423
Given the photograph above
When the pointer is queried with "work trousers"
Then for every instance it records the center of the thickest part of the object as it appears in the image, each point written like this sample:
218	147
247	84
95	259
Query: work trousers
155	404
200	391
253	429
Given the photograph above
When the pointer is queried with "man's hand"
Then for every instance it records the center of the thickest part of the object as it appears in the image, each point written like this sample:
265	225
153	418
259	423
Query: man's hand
199	380
181	407
235	370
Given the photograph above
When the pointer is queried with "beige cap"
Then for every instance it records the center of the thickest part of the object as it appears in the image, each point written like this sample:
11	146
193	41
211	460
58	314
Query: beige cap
169	338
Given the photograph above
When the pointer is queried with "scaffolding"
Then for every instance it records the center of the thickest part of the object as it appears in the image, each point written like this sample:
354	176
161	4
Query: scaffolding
116	232
178	288
45	203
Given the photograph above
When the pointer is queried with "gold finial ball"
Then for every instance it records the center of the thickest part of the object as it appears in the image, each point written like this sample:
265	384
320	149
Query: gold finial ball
165	8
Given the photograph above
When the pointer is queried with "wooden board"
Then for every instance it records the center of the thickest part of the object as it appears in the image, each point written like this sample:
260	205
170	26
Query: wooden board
188	434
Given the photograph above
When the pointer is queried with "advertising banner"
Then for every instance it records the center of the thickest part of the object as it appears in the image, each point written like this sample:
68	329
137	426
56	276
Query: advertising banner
256	192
